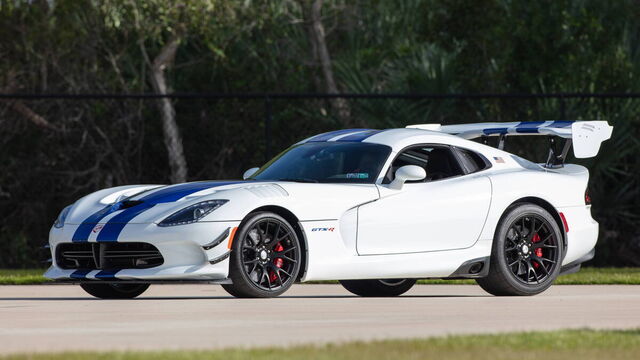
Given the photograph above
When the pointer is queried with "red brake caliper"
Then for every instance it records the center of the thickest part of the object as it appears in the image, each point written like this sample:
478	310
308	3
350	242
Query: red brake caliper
535	239
277	262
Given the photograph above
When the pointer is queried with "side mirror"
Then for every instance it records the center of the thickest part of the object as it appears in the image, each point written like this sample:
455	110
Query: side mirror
407	173
247	174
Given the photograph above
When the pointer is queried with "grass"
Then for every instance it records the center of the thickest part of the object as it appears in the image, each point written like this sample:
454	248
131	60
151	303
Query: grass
566	344
586	276
22	276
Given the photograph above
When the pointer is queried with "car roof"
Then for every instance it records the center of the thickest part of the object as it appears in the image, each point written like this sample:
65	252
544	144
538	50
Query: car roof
397	139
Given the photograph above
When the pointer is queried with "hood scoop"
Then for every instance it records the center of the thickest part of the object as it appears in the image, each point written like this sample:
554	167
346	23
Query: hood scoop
128	204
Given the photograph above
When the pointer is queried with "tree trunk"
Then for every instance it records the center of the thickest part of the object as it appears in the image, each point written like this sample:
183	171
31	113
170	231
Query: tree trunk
171	132
320	52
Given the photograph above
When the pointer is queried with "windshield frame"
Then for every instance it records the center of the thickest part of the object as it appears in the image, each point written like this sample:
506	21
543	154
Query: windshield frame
384	159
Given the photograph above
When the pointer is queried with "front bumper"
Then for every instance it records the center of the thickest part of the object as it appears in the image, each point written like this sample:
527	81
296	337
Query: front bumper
183	248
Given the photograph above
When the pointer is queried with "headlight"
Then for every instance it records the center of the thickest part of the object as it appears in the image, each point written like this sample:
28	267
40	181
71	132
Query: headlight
62	217
192	213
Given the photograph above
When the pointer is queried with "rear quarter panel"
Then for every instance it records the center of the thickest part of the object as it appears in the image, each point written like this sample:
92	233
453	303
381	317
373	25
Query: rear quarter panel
559	189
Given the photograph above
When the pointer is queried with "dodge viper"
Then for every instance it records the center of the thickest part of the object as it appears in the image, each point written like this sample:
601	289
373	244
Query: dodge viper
374	209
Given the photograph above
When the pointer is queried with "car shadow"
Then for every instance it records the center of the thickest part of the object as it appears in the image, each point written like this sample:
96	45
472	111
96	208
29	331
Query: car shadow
229	297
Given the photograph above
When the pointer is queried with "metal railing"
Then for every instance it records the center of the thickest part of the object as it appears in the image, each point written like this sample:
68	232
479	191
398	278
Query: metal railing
269	98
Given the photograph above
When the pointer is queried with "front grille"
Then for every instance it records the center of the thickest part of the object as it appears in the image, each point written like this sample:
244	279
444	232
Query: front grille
103	256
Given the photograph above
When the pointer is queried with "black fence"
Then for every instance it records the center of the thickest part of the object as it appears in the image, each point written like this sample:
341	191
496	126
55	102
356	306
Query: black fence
268	99
97	141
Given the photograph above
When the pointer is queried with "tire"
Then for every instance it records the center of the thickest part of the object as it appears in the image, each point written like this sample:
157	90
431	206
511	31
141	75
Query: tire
259	266
115	291
378	288
526	254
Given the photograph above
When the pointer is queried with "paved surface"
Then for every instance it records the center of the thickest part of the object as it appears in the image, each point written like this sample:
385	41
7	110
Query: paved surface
63	317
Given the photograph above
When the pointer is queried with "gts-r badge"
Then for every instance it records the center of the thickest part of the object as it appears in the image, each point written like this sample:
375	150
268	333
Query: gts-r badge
323	229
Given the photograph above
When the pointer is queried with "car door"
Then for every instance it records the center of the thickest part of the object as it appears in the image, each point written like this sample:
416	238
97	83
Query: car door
447	210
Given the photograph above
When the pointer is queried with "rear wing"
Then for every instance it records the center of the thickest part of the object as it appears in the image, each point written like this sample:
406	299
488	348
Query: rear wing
586	136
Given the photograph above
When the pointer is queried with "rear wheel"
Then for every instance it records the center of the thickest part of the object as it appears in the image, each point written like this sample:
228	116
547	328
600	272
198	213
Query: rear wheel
378	288
115	291
526	254
265	259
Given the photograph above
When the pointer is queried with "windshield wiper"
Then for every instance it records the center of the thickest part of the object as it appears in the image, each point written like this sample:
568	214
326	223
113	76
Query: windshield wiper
301	180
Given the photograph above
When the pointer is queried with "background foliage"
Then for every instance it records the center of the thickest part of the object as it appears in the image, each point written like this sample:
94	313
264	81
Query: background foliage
384	46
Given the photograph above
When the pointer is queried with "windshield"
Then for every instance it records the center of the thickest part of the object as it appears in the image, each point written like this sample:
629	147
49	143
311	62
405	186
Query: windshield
327	162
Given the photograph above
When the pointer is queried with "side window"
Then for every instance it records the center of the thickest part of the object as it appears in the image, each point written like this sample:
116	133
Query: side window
438	162
471	161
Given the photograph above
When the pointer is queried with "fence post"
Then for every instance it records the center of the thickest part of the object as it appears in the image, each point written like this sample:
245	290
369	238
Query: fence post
267	128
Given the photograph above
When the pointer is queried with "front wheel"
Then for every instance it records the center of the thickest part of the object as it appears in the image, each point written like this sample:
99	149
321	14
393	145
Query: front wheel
265	257
526	255
378	288
115	291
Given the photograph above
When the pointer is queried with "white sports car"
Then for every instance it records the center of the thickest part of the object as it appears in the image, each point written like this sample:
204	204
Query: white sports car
375	209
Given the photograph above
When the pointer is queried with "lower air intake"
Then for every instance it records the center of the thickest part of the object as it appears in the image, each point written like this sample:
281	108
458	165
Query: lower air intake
103	256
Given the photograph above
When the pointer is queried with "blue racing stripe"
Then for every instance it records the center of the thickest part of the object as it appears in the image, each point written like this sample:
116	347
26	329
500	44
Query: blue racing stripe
529	127
561	124
107	274
116	224
79	274
359	136
84	230
113	228
329	135
493	131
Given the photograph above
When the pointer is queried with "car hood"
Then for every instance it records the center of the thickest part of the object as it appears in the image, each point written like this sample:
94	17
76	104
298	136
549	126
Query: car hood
152	203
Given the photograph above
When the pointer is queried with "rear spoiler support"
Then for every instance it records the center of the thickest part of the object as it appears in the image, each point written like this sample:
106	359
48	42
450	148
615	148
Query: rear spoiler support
555	160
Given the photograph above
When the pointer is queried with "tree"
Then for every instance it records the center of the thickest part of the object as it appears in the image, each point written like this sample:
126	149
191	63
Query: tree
312	12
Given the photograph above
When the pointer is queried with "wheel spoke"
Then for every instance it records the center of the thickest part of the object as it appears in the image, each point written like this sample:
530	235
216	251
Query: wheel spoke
277	271
518	233
275	233
255	266
511	248
533	270
541	265
533	227
540	245
284	257
268	279
286	273
287	250
262	274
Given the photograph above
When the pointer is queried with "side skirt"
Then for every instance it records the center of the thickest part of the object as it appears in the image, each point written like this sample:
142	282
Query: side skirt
152	282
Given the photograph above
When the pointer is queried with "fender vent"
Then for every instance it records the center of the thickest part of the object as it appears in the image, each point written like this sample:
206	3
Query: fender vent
267	190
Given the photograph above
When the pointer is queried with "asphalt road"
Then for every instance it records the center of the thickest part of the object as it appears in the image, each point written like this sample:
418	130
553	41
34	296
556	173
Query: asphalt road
62	317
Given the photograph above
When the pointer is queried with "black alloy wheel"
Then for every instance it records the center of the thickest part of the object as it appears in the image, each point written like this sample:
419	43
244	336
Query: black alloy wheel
527	252
531	249
266	257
